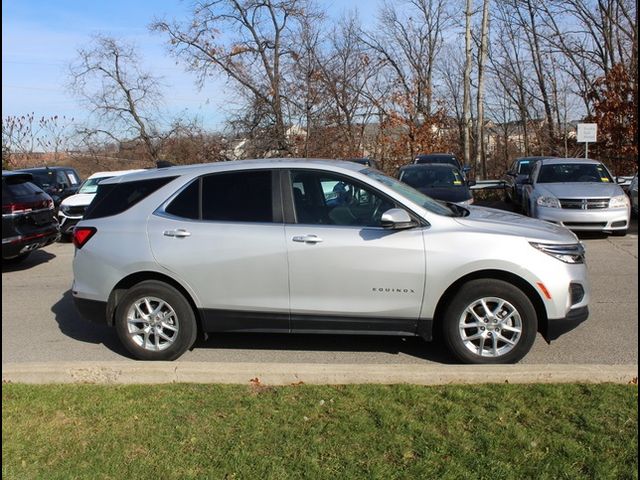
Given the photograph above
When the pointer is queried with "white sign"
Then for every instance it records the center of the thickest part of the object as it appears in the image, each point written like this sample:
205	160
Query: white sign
587	132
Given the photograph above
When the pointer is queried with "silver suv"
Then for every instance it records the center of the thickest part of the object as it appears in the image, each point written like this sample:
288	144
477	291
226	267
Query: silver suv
312	246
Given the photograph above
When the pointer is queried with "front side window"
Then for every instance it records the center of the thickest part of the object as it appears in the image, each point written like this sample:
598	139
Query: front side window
238	197
326	199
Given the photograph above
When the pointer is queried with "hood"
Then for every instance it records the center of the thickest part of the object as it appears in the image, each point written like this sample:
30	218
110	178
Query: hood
453	194
580	190
499	221
81	199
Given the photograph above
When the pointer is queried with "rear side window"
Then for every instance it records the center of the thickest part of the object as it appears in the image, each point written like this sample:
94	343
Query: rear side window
187	202
115	198
238	197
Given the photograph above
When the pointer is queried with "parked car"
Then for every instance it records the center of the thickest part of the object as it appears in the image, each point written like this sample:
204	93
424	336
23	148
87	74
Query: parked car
28	220
57	182
449	158
633	194
72	208
441	181
577	193
516	175
254	246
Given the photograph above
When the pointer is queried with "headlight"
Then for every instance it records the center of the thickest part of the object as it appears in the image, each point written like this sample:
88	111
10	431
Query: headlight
568	253
64	208
551	202
619	201
466	202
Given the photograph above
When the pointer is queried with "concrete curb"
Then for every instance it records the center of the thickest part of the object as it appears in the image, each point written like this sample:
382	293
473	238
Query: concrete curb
296	373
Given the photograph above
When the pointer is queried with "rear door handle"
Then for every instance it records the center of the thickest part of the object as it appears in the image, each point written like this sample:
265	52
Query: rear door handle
307	239
179	233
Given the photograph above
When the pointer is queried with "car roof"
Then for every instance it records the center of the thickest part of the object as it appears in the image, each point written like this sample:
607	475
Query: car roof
114	173
17	173
237	165
559	161
44	169
422	166
532	159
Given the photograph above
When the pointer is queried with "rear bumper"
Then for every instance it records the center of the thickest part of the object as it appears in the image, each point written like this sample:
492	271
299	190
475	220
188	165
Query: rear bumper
93	310
555	327
19	244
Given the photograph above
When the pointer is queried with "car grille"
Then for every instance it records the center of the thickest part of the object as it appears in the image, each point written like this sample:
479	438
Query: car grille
585	224
584	203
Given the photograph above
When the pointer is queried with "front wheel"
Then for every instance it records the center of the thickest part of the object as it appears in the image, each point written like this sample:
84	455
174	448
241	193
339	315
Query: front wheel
490	321
155	322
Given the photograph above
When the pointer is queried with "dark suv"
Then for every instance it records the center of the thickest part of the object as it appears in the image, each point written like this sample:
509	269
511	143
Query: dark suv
57	182
28	220
450	158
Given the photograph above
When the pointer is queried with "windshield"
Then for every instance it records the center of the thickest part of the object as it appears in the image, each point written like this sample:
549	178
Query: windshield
432	177
574	173
410	193
91	185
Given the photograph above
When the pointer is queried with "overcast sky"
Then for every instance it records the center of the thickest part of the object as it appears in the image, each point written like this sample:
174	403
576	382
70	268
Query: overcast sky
41	37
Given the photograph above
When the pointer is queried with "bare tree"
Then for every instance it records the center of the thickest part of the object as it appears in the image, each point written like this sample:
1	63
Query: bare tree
466	105
254	52
123	98
484	45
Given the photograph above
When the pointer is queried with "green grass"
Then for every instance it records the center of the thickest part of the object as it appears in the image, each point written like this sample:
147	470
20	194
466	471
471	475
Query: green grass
343	432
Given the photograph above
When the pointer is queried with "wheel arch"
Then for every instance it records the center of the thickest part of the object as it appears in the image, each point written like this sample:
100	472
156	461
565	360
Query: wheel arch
133	279
509	277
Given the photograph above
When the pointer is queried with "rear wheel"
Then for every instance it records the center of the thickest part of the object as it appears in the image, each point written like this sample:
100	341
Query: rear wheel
155	322
490	321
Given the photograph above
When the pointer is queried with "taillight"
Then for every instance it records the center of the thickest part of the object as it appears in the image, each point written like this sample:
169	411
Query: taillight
81	235
16	208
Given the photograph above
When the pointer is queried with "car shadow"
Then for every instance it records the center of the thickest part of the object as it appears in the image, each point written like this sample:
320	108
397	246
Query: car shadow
74	326
36	257
413	346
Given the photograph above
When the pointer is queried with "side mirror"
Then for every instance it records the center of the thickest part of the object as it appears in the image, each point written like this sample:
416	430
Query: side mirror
396	219
471	183
466	169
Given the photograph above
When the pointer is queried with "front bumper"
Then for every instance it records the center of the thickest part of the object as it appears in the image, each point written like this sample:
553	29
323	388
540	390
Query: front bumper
608	219
67	223
555	327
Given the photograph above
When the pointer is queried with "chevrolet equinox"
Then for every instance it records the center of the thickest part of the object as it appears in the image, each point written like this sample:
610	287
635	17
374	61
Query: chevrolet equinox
318	246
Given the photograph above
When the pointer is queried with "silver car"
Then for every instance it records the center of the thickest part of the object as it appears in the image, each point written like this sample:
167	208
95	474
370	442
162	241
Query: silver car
579	194
318	247
633	194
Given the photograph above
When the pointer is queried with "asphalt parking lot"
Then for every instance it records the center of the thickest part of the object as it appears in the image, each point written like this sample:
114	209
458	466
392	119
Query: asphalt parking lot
40	324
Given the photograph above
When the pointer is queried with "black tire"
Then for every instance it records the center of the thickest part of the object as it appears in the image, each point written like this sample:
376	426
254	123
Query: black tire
179	329
619	233
15	260
524	319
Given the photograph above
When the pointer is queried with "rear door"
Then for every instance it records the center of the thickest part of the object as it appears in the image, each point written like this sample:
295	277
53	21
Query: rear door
223	236
346	272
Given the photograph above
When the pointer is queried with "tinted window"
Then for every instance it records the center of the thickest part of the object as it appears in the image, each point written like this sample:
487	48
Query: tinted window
326	199
187	203
237	197
115	198
524	167
13	188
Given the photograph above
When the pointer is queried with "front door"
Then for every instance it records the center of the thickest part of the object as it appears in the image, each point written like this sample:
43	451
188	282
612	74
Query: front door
346	272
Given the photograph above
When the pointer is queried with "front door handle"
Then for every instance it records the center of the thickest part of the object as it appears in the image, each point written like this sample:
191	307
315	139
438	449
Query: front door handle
179	233
307	239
